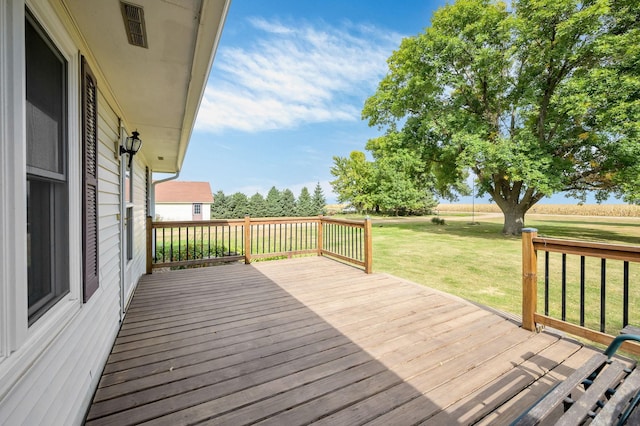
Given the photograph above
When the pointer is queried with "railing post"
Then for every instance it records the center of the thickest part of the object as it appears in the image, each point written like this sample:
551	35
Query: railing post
247	239
529	279
368	246
320	236
149	245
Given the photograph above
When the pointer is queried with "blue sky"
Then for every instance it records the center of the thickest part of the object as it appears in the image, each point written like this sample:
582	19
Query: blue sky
287	88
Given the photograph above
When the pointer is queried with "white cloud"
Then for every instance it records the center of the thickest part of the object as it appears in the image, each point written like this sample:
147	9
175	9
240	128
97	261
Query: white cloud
295	74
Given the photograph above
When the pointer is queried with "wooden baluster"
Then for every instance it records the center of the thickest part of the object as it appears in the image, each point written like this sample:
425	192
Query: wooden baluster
368	246
247	239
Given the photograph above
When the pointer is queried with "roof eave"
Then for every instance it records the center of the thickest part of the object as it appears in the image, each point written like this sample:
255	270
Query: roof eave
206	47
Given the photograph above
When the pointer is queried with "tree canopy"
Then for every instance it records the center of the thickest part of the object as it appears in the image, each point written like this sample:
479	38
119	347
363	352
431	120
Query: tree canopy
394	182
534	97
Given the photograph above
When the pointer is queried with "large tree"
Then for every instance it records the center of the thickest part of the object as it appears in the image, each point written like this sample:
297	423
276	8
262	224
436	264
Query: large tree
354	179
534	96
401	184
395	182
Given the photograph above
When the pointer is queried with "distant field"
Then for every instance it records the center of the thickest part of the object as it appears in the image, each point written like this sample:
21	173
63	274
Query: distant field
616	210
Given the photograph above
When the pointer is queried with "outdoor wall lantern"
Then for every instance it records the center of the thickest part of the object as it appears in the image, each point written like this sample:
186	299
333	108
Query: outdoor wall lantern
131	145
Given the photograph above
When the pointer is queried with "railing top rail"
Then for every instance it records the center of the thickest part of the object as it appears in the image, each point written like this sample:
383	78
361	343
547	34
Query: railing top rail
587	248
349	222
277	220
180	223
257	221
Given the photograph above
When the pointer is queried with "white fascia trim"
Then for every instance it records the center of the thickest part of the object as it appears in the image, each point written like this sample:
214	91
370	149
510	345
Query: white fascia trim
206	46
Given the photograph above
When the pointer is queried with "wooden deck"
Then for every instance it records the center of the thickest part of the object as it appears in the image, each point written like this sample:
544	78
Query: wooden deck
311	340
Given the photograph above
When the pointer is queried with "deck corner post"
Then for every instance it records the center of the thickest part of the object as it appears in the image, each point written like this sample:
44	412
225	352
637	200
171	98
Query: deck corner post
320	234
149	264
368	246
247	239
529	279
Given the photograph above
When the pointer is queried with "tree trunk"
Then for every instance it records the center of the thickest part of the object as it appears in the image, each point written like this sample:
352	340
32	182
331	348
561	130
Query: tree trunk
514	201
513	220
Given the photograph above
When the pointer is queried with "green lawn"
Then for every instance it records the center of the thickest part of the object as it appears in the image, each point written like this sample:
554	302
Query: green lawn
478	263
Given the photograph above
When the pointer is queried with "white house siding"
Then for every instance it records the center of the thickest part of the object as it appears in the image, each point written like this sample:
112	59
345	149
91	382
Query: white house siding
165	212
53	383
57	389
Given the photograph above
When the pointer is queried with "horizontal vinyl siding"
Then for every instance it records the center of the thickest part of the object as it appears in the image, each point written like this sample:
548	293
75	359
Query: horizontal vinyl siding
76	364
58	388
167	212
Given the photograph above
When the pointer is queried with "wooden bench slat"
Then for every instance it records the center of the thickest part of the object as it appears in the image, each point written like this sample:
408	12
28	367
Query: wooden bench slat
608	378
634	418
630	329
546	406
618	403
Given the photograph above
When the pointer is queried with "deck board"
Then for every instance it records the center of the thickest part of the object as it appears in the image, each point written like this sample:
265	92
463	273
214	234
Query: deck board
311	340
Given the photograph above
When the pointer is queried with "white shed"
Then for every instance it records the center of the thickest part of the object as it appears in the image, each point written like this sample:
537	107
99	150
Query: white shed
179	200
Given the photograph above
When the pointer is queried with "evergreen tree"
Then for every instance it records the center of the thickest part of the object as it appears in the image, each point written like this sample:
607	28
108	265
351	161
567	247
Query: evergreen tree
238	206
304	206
288	203
273	207
257	205
220	206
318	200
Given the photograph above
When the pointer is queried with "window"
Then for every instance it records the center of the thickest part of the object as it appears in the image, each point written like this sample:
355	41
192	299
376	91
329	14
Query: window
129	232
197	208
128	200
128	183
47	180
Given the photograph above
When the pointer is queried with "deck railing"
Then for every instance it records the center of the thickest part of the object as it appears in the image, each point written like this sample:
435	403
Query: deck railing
580	278
189	243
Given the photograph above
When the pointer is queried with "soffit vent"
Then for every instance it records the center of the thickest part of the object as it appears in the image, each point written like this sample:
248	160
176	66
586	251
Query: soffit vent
133	16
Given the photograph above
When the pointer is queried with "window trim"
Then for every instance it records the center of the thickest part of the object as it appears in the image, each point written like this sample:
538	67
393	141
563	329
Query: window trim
21	344
57	192
48	20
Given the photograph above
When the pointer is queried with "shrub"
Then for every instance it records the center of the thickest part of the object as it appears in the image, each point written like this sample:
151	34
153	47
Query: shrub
437	220
167	254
